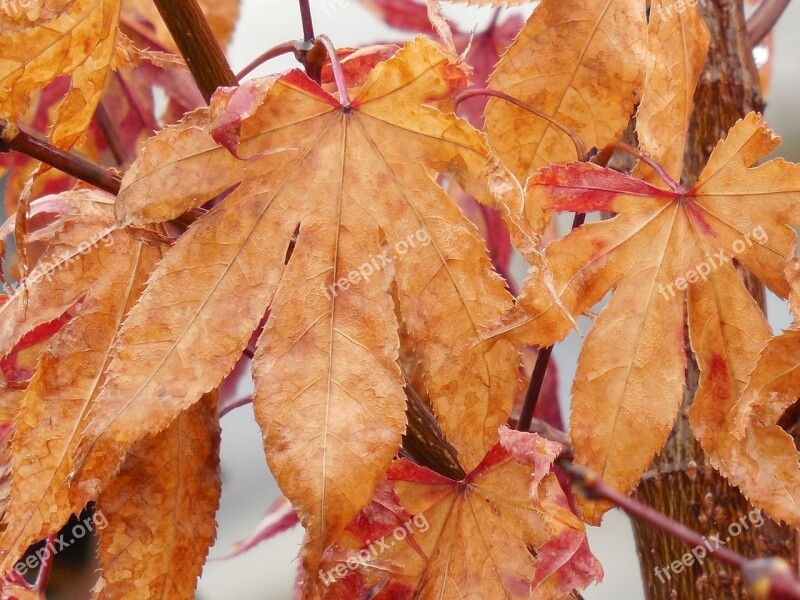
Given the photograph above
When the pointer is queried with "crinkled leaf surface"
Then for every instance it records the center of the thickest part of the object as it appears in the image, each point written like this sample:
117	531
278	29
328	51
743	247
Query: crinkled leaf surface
69	375
580	62
159	515
78	41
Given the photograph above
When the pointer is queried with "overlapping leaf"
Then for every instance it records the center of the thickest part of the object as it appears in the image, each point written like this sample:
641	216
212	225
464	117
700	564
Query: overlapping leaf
509	516
661	243
78	41
357	185
159	516
677	46
580	62
106	269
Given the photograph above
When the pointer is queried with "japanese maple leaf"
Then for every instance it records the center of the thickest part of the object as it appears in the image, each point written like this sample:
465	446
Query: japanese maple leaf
103	269
357	184
504	531
580	62
663	247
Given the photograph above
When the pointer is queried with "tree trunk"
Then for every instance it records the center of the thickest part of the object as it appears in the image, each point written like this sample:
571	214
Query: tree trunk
680	483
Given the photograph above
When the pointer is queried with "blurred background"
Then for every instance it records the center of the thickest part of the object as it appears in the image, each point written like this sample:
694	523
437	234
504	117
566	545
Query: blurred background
268	571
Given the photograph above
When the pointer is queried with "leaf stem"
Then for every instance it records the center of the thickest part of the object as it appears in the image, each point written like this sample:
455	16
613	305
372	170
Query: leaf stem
763	19
224	407
23	142
649	161
308	22
199	47
580	146
540	367
338	74
278	50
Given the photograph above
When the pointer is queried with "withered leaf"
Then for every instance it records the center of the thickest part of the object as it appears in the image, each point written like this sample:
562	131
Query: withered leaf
357	183
78	41
580	62
68	378
661	243
159	515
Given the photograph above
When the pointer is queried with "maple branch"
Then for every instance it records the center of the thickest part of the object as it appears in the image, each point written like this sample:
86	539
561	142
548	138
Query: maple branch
308	22
765	578
194	38
111	134
280	49
580	146
763	19
648	160
338	74
424	443
12	138
539	368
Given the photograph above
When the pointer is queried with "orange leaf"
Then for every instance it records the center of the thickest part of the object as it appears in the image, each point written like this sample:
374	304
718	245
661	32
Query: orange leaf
579	61
160	510
79	42
677	45
629	381
517	528
67	380
357	185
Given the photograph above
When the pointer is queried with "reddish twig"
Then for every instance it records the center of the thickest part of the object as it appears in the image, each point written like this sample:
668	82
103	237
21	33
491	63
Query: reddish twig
765	578
111	134
223	408
278	50
580	146
199	47
308	22
645	158
43	577
763	19
25	143
539	368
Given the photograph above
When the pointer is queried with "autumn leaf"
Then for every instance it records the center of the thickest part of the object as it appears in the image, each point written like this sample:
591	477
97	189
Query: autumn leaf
508	515
78	42
69	374
354	183
159	515
677	45
746	439
661	243
581	63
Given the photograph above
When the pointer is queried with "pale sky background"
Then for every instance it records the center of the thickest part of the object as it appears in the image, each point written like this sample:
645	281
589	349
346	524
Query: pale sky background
268	571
